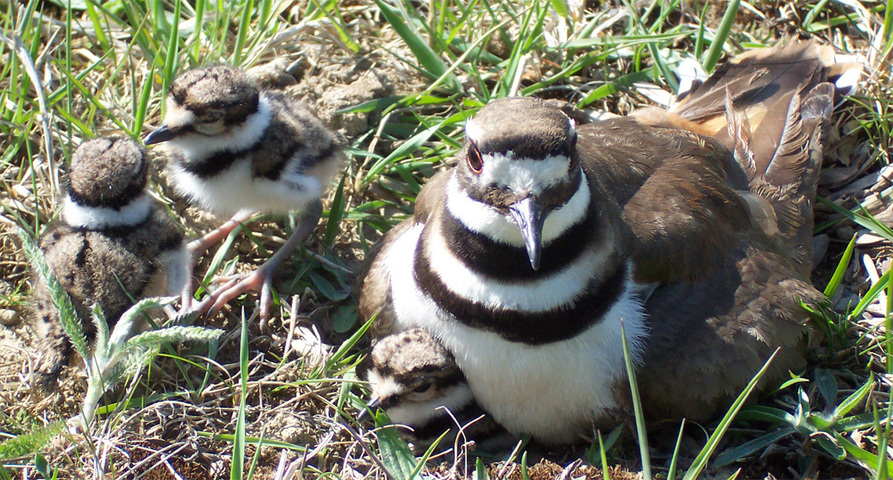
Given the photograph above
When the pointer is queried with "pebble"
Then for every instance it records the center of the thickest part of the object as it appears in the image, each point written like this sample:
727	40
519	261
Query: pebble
8	316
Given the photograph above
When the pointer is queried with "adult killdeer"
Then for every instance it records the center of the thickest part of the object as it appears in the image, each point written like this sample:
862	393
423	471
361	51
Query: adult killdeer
690	229
112	244
416	381
240	150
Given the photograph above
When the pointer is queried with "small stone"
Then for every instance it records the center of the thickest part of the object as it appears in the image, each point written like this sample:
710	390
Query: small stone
8	316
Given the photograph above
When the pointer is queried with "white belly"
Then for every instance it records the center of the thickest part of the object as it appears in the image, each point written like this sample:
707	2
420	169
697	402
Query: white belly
551	391
236	189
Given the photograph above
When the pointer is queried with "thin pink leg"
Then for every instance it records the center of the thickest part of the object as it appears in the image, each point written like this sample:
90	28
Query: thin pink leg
199	246
261	280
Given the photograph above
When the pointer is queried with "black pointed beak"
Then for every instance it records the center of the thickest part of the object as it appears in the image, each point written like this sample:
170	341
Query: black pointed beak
373	403
528	215
160	134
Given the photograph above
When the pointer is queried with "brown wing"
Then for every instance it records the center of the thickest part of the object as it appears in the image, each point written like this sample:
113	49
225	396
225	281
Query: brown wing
767	112
723	328
757	83
772	108
677	192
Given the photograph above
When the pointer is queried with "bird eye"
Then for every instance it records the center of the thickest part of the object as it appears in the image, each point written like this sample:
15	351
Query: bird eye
474	159
423	388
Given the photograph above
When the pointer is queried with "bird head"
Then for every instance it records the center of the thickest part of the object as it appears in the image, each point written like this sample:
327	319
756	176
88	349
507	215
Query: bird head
520	162
208	102
107	172
411	375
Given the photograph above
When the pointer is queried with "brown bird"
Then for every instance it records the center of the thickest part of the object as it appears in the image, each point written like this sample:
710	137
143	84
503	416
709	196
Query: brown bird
112	245
238	149
690	229
416	381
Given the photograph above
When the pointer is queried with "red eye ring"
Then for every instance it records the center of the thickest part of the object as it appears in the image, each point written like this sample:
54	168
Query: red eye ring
474	159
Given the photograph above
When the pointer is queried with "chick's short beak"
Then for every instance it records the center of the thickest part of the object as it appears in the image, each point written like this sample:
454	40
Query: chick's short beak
373	403
528	215
160	134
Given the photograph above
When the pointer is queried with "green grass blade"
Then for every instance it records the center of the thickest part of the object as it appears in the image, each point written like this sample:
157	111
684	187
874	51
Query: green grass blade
866	458
348	344
700	462
430	451
480	471
699	38
238	466
242	34
139	114
813	13
249	440
615	86
525	473
430	62
560	7
336	212
637	407
671	472
395	453
855	398
888	326
870	296
839	272
197	30
256	456
749	448
604	457
219	257
866	220
888	26
171	63
338	24
719	40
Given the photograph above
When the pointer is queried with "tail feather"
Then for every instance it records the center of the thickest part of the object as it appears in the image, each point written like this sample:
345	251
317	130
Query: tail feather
772	108
756	81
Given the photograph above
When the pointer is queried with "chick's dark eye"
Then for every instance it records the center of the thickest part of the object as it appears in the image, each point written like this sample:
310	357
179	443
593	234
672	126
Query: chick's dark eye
474	159
423	388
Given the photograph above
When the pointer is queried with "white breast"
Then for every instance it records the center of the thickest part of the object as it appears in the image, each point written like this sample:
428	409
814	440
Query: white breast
236	189
551	391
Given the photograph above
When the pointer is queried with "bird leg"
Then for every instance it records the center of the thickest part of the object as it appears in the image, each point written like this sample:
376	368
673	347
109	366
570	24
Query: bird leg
199	246
261	280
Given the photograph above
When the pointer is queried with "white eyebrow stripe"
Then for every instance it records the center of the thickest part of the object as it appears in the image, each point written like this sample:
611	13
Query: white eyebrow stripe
177	116
524	175
473	131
